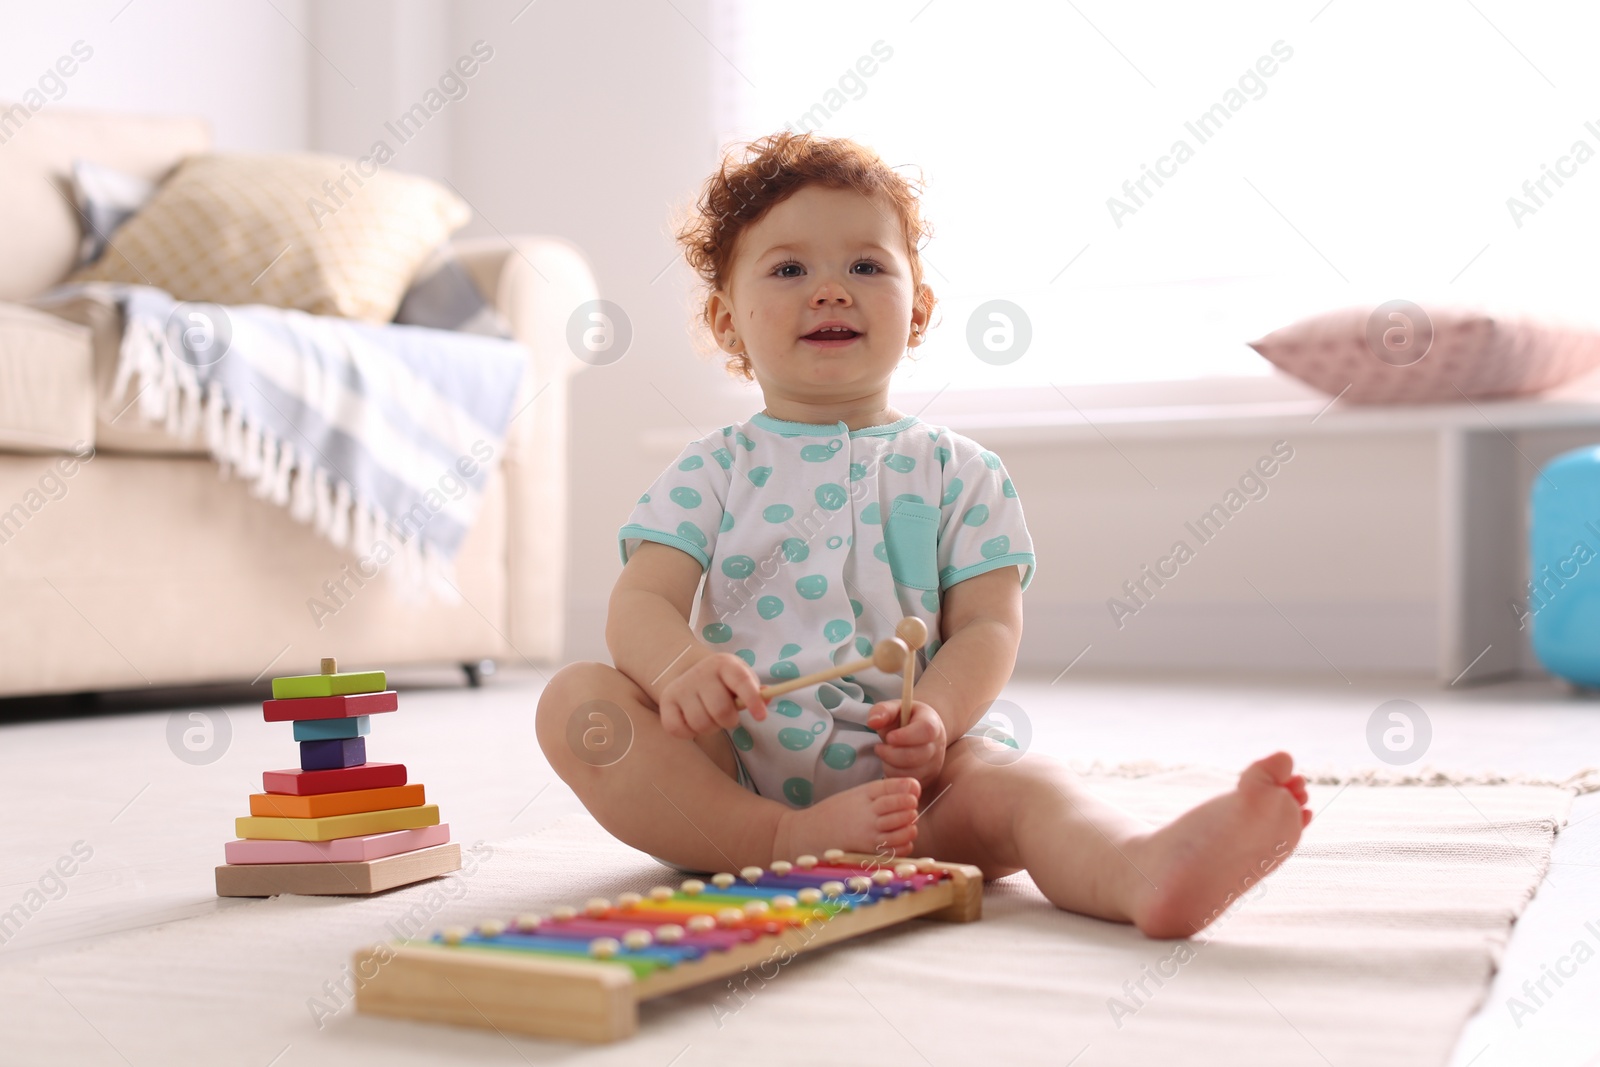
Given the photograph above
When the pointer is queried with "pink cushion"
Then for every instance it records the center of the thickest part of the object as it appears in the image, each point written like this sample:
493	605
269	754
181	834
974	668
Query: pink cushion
1435	355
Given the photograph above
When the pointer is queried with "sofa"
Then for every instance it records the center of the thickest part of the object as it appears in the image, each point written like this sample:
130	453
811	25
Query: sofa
127	560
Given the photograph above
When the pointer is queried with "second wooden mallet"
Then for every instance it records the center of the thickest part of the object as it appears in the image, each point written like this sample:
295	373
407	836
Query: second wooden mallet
914	632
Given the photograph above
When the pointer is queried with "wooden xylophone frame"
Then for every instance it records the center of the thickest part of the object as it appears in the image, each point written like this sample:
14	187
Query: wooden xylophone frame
598	1001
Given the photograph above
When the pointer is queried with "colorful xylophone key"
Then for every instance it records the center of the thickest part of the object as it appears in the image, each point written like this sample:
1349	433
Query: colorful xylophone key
582	972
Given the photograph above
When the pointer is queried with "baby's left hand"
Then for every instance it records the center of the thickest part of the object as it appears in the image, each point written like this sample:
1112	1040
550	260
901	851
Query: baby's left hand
915	750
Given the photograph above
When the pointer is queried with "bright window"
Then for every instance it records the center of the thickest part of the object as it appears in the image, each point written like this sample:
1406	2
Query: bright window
1374	162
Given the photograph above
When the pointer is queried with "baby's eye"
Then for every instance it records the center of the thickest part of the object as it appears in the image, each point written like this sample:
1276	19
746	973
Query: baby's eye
781	267
877	268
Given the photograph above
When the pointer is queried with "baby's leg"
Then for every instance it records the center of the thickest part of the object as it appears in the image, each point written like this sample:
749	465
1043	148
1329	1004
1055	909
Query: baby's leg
1091	857
680	800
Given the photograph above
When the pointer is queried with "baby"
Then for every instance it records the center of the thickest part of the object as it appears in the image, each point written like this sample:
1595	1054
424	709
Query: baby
819	524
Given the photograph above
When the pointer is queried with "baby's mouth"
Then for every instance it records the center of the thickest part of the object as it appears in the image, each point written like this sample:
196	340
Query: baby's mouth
831	337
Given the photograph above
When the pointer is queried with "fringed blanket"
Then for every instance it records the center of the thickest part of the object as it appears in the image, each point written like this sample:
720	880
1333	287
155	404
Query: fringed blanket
382	437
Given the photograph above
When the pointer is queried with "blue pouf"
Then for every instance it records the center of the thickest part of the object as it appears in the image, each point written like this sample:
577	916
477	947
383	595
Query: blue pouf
1562	601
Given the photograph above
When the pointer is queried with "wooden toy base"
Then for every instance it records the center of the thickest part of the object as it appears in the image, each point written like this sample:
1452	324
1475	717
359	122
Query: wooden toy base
597	1002
337	879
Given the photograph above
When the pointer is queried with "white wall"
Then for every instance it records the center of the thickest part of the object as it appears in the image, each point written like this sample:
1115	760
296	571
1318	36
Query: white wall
593	122
243	66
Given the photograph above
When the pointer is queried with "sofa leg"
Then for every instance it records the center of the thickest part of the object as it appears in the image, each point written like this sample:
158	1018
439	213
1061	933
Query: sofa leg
477	672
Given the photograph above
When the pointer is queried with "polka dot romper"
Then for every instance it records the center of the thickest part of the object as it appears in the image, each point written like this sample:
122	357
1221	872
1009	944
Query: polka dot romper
817	540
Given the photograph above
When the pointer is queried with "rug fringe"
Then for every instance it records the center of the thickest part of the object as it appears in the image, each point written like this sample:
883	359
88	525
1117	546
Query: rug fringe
1579	782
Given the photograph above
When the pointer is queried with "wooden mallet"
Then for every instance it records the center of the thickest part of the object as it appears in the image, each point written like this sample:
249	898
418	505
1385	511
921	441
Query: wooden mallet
914	632
888	655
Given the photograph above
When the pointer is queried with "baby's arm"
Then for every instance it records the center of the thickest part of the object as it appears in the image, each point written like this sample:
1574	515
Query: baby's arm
648	634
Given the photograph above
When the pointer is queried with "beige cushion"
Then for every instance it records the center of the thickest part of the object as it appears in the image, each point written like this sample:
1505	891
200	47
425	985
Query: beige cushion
1433	355
46	391
39	227
279	230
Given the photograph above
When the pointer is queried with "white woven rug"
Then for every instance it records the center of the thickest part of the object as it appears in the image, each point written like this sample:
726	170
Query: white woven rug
1371	946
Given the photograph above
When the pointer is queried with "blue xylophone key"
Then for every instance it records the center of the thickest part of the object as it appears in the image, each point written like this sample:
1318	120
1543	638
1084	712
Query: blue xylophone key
664	954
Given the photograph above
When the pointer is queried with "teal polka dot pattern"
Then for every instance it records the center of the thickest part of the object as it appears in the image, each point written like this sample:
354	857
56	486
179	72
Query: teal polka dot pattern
773	507
795	739
838	756
812	586
832	495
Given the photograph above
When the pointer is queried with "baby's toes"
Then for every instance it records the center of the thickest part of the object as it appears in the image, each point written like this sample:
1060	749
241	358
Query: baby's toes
1297	788
1274	770
894	811
894	788
897	837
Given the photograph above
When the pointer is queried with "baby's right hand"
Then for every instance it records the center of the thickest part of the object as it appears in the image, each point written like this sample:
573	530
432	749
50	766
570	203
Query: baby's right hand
701	699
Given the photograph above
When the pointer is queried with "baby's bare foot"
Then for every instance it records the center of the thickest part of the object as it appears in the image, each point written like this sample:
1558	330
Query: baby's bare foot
1209	856
863	818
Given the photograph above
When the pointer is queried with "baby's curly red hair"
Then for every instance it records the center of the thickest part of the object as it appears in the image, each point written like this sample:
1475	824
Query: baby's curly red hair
774	168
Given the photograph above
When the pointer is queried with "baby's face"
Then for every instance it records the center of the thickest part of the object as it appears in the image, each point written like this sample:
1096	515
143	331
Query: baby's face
823	255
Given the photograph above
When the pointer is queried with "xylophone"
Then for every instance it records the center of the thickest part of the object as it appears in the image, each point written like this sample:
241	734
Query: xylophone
581	973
